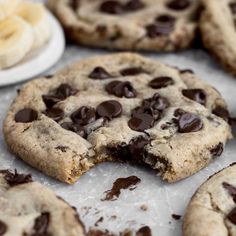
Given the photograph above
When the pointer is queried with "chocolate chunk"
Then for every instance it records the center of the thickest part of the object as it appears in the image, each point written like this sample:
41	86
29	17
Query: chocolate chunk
76	128
14	179
132	71
41	224
109	109
99	73
176	217
231	190
121	89
232	216
161	82
159	29
121	183
144	231
217	151
178	5
232	6
133	5
222	112
84	115
166	19
197	95
26	115
141	122
156	102
54	113
111	7
50	100
3	228
65	90
189	122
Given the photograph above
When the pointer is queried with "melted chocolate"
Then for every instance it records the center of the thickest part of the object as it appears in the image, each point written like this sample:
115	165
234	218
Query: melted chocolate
26	115
15	178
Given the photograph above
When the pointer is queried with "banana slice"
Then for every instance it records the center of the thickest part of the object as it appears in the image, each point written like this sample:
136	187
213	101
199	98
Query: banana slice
7	7
35	14
16	40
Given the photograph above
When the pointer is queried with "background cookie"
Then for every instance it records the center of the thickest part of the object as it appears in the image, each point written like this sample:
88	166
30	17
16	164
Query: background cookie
163	25
119	107
217	27
30	209
212	210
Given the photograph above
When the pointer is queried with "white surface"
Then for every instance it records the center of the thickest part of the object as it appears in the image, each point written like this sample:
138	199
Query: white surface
161	198
34	63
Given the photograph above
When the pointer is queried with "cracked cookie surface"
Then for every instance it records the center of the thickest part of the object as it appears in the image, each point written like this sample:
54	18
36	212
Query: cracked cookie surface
119	107
217	25
163	25
212	209
28	208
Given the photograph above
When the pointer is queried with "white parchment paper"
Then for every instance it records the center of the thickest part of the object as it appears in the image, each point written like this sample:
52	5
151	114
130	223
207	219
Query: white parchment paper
162	199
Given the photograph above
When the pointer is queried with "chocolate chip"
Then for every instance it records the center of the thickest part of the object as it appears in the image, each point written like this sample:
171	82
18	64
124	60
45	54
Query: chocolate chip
178	4
121	183
197	95
55	113
76	128
176	217
141	122
111	7
132	71
161	82
233	7
232	216
84	115
221	112
26	115
65	90
49	76
133	5
231	190
165	19
50	100
14	179
121	89
3	228
146	110
109	109
154	30
74	4
156	102
41	224
186	71
189	122
217	151
144	231
99	73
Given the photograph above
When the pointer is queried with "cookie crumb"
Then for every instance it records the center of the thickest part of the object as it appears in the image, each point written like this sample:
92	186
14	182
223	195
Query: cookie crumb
144	207
176	217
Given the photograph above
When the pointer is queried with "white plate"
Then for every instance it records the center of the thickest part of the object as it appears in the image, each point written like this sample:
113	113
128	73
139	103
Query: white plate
38	61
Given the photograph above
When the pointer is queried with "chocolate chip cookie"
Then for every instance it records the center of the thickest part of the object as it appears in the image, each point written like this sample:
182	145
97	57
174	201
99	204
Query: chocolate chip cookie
163	25
212	210
119	107
28	208
218	30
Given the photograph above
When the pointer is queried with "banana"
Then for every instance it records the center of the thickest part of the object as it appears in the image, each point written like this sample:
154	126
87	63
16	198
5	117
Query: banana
16	40
36	15
7	7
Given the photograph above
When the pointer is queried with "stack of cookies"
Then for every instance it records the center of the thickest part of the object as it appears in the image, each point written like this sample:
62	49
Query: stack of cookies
127	108
24	27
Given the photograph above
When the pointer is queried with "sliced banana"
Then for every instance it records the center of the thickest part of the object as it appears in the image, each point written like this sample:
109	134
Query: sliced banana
16	40
7	7
35	14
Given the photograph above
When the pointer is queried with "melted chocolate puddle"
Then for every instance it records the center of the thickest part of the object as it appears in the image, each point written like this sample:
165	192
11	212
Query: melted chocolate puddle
121	183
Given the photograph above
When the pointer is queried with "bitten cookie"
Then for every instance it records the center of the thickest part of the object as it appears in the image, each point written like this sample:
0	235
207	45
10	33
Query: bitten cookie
163	25
29	209
218	31
212	210
120	107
